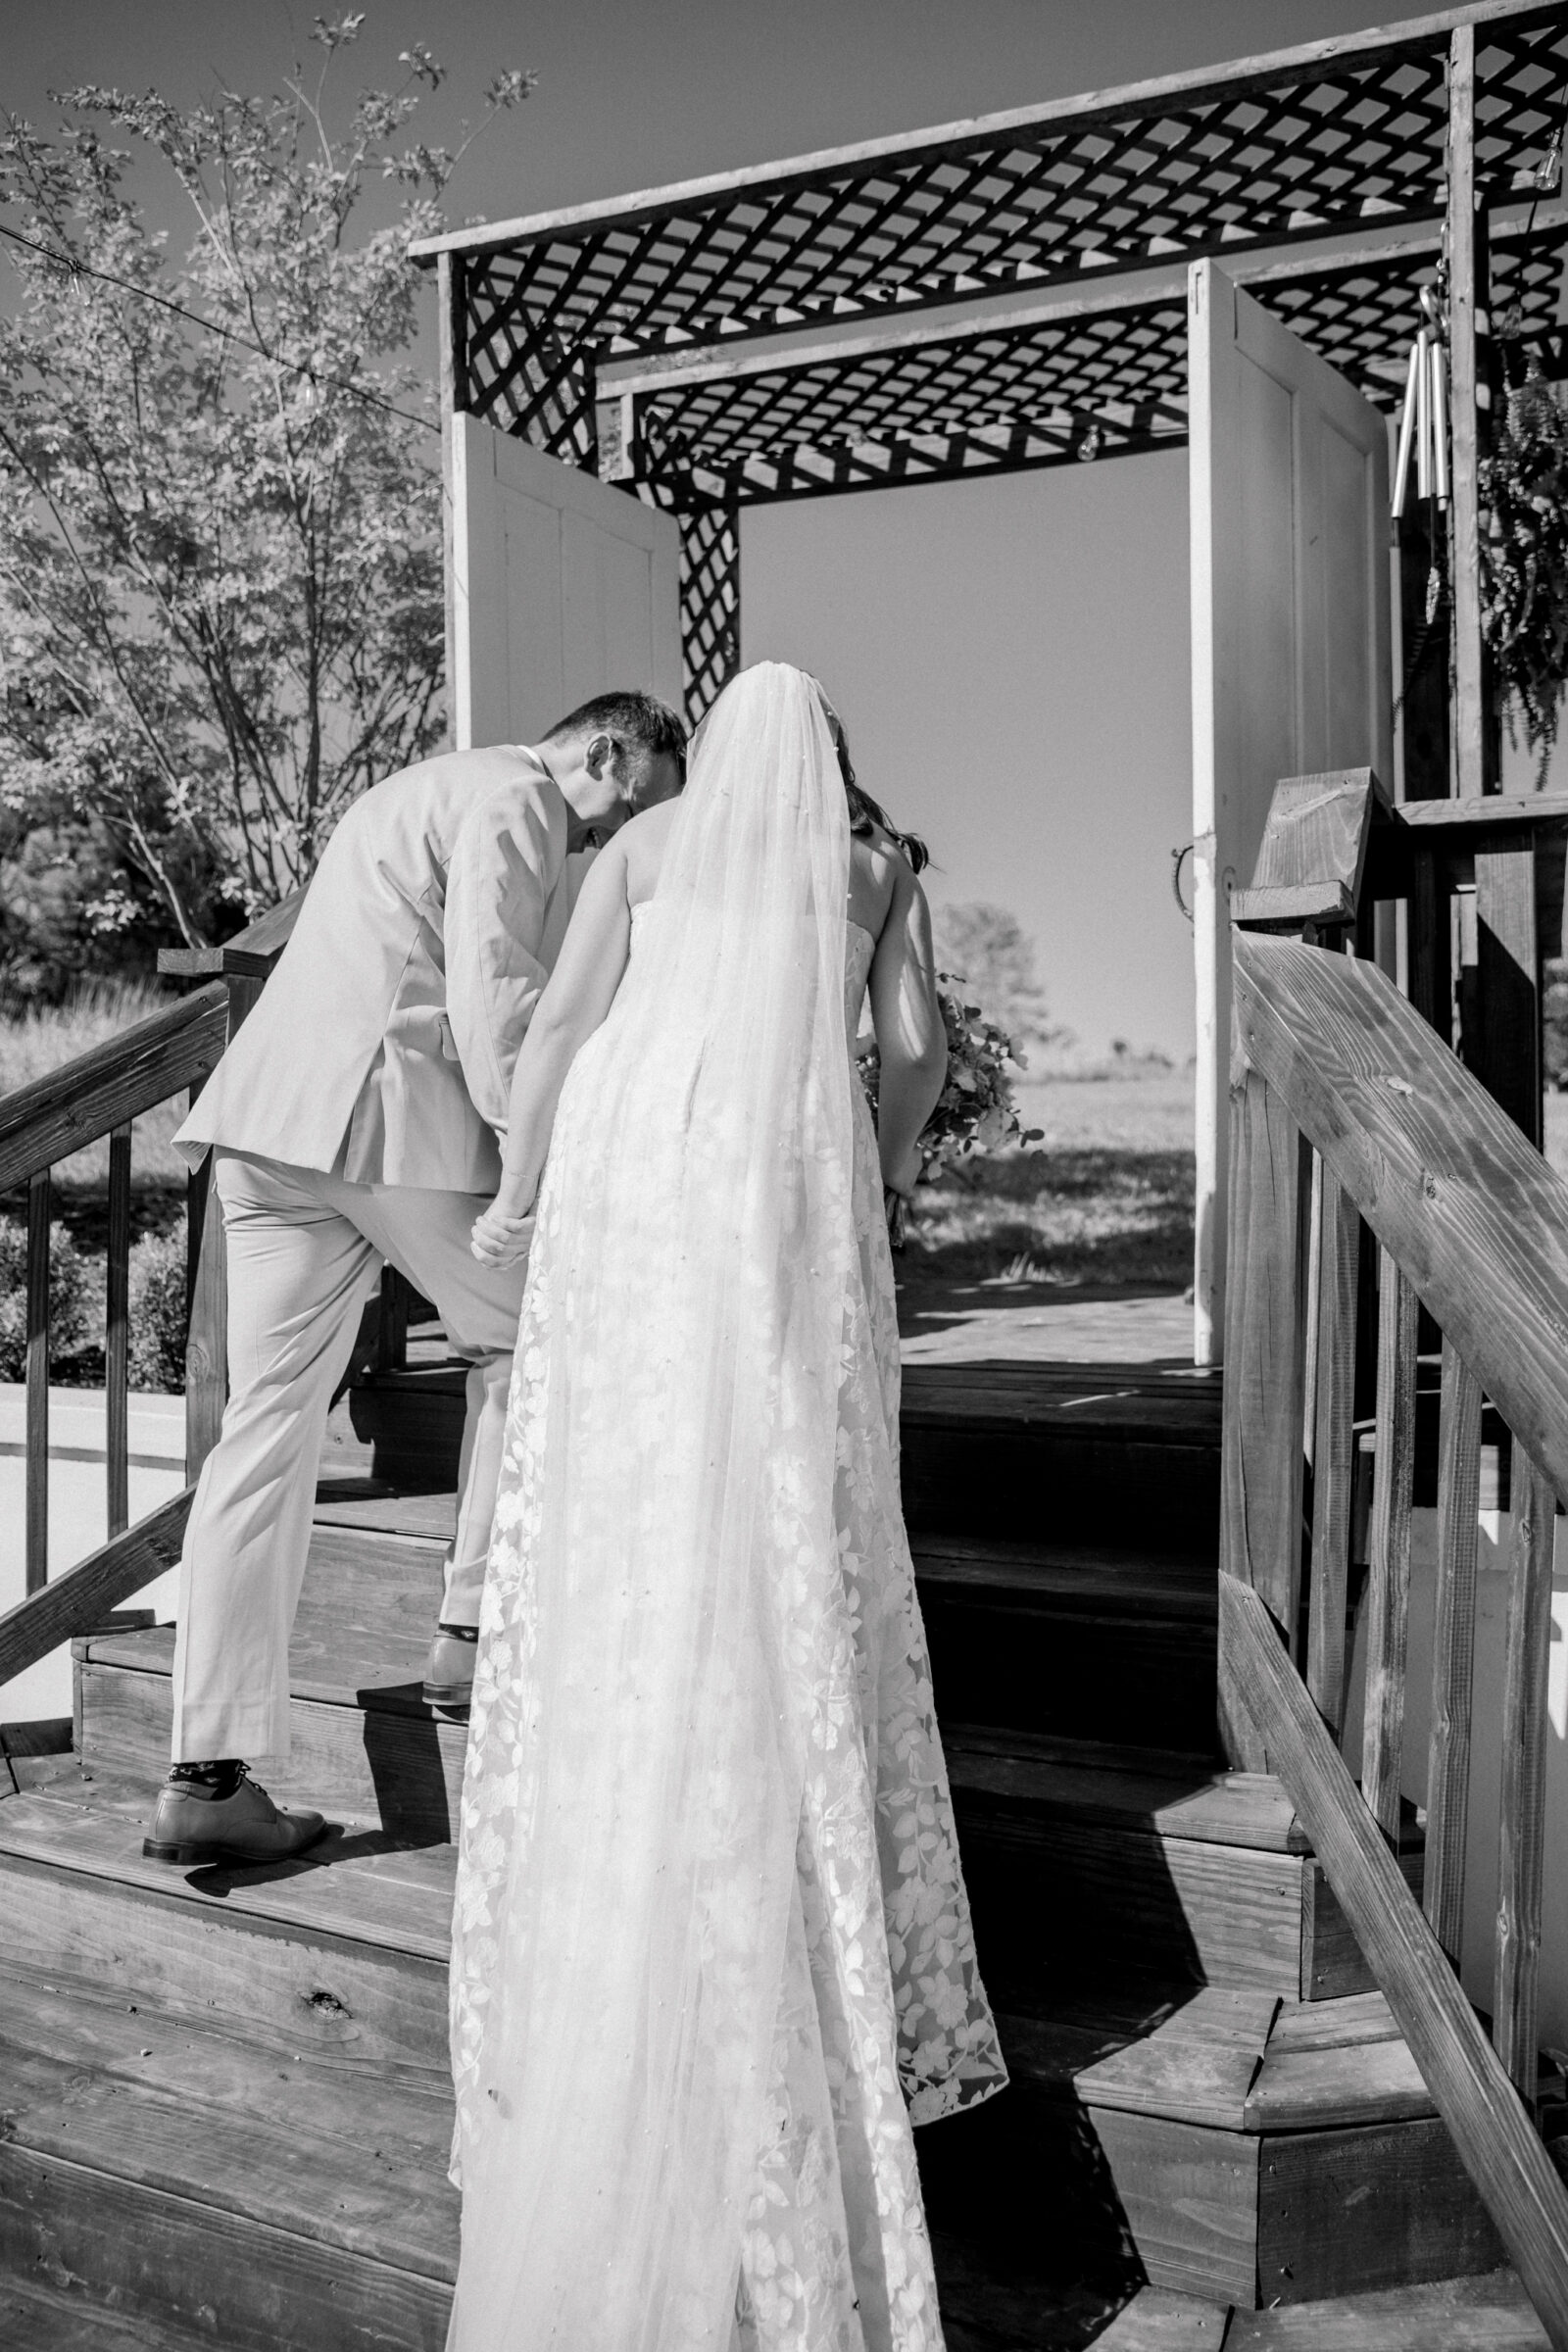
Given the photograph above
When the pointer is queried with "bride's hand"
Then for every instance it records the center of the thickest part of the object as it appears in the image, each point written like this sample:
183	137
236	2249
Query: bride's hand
501	1239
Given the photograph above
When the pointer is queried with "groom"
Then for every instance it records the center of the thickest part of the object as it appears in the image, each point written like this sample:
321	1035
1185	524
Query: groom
354	1121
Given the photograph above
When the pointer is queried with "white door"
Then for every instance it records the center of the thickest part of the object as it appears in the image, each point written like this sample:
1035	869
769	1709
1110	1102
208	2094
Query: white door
1291	664
560	587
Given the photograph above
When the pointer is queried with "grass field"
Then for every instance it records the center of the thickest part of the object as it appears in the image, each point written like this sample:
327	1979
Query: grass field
41	1041
1105	1199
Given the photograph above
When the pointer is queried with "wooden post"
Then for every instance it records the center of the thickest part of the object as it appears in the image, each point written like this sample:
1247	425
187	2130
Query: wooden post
1467	297
40	1200
1522	1812
451	392
1333	1444
1424	693
1506	1054
1431	939
392	1322
116	1334
1453	1645
1261	1475
1388	1579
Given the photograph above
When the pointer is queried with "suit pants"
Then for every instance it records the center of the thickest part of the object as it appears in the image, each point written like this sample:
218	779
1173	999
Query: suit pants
305	1250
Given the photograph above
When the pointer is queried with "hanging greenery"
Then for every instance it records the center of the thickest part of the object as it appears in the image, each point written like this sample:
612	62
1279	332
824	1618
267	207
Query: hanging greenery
1524	561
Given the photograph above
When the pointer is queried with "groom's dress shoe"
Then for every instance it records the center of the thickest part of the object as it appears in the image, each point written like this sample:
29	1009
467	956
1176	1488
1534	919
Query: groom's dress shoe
449	1673
246	1827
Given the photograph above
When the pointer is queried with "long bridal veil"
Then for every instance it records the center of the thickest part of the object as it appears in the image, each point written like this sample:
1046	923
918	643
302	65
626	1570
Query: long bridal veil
664	1582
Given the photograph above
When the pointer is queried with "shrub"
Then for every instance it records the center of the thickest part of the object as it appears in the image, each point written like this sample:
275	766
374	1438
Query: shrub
71	1297
158	1312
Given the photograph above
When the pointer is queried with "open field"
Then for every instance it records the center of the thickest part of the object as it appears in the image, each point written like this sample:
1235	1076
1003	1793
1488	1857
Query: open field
1106	1198
42	1039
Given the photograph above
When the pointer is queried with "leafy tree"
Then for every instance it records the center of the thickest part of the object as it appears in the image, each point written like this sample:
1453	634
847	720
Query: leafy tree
988	949
221	604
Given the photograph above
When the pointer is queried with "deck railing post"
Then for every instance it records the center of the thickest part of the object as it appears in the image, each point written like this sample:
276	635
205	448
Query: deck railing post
1261	1453
1522	1808
1453	1643
40	1201
116	1334
1388	1574
1332	1408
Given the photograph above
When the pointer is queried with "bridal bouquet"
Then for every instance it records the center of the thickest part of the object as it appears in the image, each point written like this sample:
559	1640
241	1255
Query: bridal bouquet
976	1110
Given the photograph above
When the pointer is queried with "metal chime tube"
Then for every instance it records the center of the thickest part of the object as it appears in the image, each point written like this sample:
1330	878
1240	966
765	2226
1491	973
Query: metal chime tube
1401	463
1423	422
1438	403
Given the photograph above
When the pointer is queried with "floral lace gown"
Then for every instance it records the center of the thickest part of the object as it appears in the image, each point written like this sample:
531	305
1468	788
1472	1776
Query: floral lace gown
884	2021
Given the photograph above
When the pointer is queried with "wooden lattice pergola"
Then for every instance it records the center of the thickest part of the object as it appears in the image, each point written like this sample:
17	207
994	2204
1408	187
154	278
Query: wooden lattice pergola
1010	292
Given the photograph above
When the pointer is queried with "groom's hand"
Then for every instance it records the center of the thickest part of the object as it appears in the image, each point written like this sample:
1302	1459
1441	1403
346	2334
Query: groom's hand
500	1239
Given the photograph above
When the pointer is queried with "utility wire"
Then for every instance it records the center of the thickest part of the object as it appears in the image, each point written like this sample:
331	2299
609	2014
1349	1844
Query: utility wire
341	384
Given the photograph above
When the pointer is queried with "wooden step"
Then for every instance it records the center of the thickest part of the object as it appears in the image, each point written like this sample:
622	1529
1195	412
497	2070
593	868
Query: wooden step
1065	1640
1112	1642
1192	1872
1154	2319
366	1749
1101	1452
1250	2151
1098	1451
266	2200
1487	2314
345	1949
38	2317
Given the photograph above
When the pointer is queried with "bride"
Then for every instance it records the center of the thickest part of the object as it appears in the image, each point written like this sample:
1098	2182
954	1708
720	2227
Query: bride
711	1948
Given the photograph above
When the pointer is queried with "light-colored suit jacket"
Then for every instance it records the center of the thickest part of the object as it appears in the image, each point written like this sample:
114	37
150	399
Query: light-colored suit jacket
383	1041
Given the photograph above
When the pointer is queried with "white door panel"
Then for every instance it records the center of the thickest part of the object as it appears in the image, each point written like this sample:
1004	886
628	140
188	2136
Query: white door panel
560	588
1291	667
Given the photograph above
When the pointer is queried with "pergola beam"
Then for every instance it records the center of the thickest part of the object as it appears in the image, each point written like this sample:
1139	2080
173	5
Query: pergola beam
1165	91
735	362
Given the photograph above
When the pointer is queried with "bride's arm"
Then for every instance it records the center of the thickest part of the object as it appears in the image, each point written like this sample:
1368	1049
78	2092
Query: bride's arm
581	990
912	1042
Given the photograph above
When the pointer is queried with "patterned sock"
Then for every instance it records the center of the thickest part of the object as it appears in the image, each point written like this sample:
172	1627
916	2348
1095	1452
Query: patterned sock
214	1780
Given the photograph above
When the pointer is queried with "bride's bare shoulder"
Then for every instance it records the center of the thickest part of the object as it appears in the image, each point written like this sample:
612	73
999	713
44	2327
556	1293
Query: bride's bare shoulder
879	873
641	843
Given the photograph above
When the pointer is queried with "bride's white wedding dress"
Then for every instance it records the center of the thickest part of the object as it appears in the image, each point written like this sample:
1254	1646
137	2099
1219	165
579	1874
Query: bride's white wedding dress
711	1948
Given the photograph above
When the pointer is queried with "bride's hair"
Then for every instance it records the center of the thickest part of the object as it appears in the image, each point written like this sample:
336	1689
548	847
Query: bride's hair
864	813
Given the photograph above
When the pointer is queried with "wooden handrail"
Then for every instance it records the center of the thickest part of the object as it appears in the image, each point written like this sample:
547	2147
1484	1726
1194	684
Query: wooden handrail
75	1603
1451	1187
249	956
1491	2130
133	1072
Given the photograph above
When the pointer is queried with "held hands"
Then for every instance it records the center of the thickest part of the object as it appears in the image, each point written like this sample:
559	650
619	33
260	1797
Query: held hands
906	1175
501	1237
898	1184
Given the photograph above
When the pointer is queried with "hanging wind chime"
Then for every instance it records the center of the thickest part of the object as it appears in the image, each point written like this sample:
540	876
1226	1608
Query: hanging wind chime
1424	435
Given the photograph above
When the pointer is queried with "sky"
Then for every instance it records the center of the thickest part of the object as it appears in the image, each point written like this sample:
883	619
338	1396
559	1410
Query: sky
1010	656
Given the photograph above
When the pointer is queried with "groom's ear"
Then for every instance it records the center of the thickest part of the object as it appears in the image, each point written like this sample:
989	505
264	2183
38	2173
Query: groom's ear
599	754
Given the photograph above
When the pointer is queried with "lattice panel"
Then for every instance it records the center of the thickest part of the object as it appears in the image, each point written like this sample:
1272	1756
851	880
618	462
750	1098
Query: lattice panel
1222	164
518	370
1034	395
710	603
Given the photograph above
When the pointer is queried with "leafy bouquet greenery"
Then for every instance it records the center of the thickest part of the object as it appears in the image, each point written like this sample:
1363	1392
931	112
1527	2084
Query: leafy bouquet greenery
976	1110
1524	557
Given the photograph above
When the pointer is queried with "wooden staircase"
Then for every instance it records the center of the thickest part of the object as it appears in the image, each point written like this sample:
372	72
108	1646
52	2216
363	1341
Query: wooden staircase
224	2099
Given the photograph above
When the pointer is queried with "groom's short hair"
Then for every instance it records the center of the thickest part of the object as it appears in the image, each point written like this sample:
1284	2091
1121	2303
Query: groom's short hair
637	722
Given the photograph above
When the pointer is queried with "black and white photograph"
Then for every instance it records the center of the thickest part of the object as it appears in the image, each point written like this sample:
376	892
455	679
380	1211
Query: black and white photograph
783	1176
